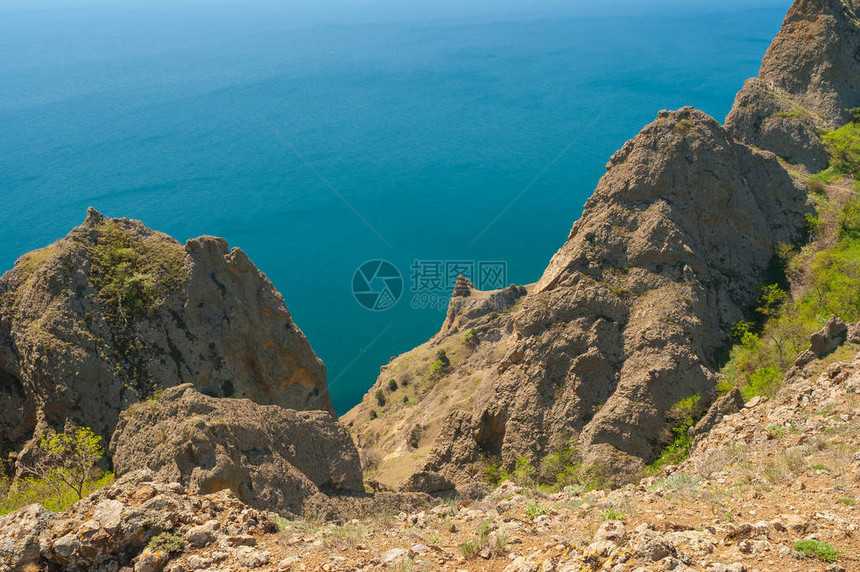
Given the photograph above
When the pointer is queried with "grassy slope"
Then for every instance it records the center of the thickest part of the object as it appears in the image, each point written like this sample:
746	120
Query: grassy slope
819	279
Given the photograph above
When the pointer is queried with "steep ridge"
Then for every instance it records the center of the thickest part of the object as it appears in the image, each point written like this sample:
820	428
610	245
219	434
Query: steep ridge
630	314
809	79
114	312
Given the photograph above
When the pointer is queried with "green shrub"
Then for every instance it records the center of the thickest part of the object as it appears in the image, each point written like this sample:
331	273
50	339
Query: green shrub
380	397
524	474
763	381
133	276
564	468
392	385
442	364
442	356
167	542
470	339
373	414
683	415
534	510
815	549
48	492
613	514
495	474
843	144
471	547
68	459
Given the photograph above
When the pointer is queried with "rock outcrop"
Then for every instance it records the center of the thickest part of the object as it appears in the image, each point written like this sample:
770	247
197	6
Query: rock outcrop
831	336
271	458
631	312
119	526
809	78
629	315
114	311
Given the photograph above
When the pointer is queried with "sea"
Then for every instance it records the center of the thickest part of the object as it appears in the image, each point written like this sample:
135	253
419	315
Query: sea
362	153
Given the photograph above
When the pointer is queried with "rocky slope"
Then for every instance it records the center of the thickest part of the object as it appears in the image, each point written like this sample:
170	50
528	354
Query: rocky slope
271	458
809	79
631	313
768	481
114	311
628	316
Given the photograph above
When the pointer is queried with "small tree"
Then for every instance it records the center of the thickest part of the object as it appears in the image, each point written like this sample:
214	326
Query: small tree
380	397
470	339
69	459
440	367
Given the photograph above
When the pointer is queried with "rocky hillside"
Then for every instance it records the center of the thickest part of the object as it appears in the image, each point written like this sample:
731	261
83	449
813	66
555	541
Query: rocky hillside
773	486
632	313
115	312
809	79
625	322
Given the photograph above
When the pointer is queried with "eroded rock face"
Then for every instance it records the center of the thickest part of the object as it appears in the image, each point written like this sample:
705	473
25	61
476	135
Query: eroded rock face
114	311
270	457
809	78
627	318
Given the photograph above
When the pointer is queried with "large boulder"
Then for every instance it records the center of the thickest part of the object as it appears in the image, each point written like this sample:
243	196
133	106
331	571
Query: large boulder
834	333
19	536
270	457
115	311
809	79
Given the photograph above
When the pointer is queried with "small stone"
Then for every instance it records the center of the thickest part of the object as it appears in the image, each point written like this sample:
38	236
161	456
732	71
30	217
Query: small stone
150	561
393	555
108	513
203	535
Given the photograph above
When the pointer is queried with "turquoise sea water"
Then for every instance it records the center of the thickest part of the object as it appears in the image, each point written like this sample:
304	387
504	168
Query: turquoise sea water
319	136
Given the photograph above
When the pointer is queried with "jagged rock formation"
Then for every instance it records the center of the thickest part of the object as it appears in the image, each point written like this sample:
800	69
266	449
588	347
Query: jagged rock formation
809	77
463	286
631	312
394	435
627	318
271	458
104	317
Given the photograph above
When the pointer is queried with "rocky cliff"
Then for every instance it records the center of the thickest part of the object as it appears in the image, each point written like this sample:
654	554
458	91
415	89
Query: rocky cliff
629	315
809	79
114	312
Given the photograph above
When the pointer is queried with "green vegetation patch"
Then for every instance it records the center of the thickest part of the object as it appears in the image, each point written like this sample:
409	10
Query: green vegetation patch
683	415
818	550
168	543
134	276
63	471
